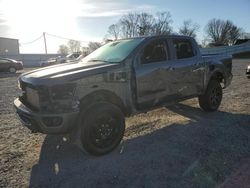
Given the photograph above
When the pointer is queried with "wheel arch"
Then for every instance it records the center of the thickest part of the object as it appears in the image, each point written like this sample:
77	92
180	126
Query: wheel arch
103	96
217	75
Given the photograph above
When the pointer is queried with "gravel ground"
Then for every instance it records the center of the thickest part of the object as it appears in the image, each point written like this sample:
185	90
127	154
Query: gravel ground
176	146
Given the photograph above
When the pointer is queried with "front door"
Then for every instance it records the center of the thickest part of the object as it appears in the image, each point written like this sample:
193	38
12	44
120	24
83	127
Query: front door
153	81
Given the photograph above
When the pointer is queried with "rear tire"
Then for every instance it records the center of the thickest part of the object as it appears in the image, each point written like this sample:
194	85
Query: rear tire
211	100
102	128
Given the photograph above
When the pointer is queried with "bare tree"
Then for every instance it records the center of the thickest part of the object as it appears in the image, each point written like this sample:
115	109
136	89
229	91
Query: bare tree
145	24
128	25
74	46
85	51
92	46
137	24
189	28
234	34
114	31
141	24
222	32
162	24
63	49
213	30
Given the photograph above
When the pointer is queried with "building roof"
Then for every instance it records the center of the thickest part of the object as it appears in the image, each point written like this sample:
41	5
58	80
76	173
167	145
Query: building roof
8	38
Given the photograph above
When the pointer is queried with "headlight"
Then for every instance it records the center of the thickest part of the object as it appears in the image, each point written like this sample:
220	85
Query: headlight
248	67
32	97
65	91
58	98
61	99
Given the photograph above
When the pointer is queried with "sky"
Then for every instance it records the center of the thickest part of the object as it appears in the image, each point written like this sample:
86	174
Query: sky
88	20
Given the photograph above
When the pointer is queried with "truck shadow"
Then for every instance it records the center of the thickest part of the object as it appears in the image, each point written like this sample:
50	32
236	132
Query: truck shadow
201	153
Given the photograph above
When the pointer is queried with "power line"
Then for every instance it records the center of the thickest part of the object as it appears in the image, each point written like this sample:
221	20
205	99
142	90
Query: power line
24	43
57	36
52	35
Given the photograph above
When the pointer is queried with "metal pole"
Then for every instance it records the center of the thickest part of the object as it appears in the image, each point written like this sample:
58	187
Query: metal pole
45	44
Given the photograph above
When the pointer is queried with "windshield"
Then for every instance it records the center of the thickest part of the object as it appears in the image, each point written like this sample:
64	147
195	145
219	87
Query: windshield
114	52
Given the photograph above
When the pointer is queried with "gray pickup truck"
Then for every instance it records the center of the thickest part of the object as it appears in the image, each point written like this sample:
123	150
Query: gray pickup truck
92	98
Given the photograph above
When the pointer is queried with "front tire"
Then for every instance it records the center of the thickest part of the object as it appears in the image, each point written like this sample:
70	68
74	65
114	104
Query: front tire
211	100
102	128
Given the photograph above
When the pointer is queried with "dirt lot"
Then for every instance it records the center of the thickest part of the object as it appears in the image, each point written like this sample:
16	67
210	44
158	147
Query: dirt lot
177	146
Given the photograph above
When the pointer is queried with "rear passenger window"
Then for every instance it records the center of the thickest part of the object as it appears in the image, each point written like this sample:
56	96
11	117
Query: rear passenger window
183	49
154	52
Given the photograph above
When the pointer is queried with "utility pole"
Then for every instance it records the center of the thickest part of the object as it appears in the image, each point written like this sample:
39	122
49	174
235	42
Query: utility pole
45	45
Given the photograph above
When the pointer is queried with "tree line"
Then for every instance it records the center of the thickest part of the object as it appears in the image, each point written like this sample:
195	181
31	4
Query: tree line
141	24
218	32
74	46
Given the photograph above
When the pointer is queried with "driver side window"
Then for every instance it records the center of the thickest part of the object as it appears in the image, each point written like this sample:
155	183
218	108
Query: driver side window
154	52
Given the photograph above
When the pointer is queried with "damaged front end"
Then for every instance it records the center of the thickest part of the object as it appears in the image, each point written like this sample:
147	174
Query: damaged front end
59	99
48	109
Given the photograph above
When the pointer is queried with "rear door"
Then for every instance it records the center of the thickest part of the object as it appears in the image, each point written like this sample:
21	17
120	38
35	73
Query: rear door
188	67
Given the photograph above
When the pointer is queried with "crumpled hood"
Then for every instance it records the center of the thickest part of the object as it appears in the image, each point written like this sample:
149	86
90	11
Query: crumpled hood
65	72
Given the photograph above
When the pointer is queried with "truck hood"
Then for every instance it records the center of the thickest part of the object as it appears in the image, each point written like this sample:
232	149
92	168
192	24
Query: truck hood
65	72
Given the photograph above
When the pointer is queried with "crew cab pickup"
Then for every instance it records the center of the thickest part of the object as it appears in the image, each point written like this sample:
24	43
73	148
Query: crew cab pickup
92	98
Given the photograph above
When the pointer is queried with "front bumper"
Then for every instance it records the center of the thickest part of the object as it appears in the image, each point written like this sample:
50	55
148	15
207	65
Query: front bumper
40	122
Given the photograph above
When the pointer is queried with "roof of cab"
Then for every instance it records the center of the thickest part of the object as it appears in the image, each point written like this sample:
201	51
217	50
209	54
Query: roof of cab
157	36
